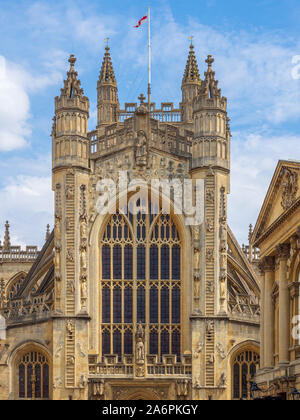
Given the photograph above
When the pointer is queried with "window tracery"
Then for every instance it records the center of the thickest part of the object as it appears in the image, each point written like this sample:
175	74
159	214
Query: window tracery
140	282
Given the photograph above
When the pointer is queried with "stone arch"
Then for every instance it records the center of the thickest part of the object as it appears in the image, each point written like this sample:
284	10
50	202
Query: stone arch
15	283
97	231
253	349
38	356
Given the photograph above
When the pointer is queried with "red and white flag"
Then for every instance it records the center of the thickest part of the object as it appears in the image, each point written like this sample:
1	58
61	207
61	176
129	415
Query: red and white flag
141	21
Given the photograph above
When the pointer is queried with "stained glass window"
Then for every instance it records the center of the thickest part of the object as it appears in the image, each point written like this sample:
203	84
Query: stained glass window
106	305
33	372
244	366
145	254
106	263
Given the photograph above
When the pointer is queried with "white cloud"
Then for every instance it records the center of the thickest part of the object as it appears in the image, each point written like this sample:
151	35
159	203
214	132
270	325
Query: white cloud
253	161
28	200
14	108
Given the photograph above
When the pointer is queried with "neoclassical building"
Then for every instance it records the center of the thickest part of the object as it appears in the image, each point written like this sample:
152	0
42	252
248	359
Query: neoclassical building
136	303
277	234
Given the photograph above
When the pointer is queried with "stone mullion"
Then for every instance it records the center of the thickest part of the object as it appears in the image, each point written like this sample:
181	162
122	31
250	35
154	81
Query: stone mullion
70	245
210	283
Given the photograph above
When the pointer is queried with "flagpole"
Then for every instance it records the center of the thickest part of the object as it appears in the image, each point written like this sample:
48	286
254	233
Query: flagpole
149	61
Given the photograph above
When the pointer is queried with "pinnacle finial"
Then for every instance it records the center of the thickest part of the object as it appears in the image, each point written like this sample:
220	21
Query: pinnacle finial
72	61
210	60
47	232
250	232
6	243
107	73
191	74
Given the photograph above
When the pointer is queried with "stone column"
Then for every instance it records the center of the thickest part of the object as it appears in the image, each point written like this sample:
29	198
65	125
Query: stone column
269	268
283	252
262	311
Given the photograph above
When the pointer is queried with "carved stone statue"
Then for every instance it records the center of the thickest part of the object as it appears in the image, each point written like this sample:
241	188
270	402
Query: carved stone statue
141	149
140	346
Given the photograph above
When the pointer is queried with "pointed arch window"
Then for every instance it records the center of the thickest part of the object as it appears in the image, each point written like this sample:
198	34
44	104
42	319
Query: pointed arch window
33	376
144	284
244	366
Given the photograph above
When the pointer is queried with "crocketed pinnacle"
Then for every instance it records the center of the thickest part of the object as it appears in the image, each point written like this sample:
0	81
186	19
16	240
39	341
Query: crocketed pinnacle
72	86
6	243
209	87
107	74
191	74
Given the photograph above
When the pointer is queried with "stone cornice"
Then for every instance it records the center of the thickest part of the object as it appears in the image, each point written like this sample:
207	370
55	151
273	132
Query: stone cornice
281	219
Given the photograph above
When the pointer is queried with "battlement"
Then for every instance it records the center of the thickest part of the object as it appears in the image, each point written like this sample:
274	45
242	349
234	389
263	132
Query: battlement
166	113
16	254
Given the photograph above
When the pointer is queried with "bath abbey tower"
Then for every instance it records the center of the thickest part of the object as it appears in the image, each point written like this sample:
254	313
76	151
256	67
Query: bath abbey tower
134	303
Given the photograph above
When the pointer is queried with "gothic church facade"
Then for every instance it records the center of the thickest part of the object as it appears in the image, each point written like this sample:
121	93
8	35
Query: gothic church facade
135	306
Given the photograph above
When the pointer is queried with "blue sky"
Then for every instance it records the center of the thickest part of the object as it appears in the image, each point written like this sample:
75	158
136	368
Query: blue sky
253	43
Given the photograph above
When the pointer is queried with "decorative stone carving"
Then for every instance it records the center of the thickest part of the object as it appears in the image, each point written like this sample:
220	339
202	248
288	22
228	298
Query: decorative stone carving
140	345
283	251
268	264
196	259
210	225
197	384
210	326
210	288
222	381
198	350
141	152
289	188
71	361
70	255
98	389
209	254
58	383
221	351
196	287
210	196
83	381
182	388
59	348
211	359
69	191
80	350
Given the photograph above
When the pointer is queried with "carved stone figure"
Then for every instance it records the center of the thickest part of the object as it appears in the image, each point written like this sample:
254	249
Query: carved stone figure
222	381
210	196
70	255
196	287
289	188
210	225
83	381
198	350
141	149
182	388
221	351
210	326
196	259
140	346
209	254
69	192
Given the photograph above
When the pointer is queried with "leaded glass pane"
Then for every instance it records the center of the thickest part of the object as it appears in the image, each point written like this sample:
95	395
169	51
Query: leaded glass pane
106	305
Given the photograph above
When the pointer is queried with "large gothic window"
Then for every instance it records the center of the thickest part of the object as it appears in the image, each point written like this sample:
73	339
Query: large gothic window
141	282
244	367
33	376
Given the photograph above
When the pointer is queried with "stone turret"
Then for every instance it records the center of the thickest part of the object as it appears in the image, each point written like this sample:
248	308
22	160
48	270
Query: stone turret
107	89
70	142
191	84
212	132
6	242
71	153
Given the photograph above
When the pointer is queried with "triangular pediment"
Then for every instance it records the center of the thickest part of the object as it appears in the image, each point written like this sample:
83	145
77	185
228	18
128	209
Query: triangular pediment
282	196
